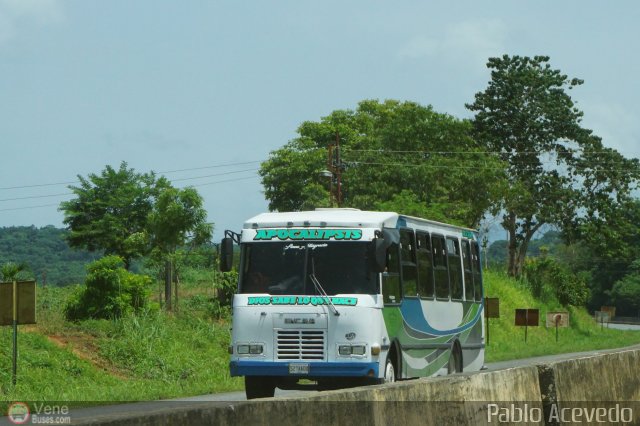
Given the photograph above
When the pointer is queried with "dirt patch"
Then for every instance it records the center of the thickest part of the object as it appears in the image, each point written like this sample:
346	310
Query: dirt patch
83	347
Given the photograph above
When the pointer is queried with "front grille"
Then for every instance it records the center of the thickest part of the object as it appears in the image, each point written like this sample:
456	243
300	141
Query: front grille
300	344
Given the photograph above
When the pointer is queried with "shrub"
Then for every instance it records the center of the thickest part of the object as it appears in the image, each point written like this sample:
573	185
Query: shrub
225	286
547	277
625	294
110	291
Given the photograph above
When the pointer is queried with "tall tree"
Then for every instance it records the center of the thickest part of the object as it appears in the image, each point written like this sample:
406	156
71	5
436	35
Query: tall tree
110	209
177	219
393	155
558	172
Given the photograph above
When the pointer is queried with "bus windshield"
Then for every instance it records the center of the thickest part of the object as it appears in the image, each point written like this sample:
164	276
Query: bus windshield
284	268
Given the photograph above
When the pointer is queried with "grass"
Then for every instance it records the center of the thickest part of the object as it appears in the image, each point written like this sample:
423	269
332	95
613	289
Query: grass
155	355
152	355
507	341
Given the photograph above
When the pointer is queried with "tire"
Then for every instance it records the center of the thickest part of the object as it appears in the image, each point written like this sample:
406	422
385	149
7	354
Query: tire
454	365
259	387
389	371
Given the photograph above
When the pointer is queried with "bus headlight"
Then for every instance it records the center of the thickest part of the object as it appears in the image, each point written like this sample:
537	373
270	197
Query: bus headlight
344	350
347	350
358	350
254	349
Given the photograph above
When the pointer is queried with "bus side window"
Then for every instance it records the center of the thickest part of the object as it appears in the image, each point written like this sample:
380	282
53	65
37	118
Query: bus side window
391	278
408	261
440	271
468	274
425	266
455	268
475	266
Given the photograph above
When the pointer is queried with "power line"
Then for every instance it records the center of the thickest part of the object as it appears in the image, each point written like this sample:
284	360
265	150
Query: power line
216	174
30	207
174	180
36	196
212	167
201	184
223	181
162	172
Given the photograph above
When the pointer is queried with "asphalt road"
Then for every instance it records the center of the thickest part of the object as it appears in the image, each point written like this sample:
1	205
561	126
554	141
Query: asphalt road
223	399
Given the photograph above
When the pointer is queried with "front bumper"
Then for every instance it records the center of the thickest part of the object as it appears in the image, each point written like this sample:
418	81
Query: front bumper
316	369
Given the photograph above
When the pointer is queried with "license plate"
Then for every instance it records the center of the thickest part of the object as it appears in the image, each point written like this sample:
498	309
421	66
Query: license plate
298	368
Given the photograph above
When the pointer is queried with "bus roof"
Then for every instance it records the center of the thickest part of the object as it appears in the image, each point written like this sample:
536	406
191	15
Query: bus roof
339	217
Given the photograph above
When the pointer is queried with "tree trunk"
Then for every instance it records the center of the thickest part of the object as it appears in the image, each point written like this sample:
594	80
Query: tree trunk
176	282
510	225
168	278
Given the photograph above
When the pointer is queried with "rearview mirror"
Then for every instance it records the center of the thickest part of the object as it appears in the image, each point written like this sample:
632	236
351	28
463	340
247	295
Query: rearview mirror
226	254
378	254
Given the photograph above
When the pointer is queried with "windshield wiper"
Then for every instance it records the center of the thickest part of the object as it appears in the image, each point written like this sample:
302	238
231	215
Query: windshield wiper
319	287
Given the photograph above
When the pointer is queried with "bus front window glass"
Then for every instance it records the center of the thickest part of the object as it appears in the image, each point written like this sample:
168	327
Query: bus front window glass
284	268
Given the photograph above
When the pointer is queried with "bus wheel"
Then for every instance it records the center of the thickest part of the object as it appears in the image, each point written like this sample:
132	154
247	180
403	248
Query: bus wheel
259	387
455	360
389	371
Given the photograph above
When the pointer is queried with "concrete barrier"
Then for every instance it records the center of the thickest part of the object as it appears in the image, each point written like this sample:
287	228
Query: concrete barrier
523	395
589	385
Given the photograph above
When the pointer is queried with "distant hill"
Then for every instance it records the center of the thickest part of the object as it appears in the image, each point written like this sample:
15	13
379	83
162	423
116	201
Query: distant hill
45	251
551	240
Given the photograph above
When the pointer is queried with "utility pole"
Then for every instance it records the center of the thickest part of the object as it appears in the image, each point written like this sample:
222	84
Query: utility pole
334	165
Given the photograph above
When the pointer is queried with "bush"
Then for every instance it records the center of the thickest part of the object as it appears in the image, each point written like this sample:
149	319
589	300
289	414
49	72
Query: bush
625	294
547	278
225	286
110	291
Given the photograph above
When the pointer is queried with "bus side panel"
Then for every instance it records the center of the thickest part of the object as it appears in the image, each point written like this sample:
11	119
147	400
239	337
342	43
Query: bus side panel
426	331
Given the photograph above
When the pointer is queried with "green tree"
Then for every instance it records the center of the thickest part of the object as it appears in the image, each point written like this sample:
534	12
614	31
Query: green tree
110	291
394	155
625	294
613	240
558	172
110	210
177	219
11	271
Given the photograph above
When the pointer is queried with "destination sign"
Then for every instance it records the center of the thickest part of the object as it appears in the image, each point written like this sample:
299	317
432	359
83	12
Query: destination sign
307	234
302	300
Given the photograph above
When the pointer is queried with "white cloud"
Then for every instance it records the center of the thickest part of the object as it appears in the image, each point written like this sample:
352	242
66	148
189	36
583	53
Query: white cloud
15	13
474	40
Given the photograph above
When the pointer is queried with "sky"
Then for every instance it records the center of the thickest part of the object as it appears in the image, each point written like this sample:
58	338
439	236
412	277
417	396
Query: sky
202	91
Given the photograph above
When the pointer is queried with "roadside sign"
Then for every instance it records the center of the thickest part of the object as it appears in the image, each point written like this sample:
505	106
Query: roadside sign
557	319
610	309
26	302
17	306
527	318
491	307
491	310
603	318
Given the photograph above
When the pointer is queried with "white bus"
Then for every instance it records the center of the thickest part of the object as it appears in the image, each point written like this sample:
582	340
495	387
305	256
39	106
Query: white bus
342	297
